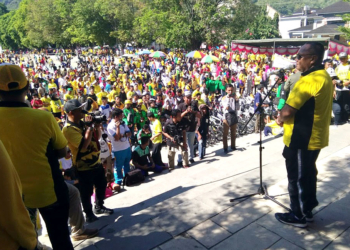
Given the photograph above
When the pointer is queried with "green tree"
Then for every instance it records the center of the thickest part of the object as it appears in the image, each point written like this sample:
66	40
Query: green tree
185	23
262	27
88	26
5	26
3	9
345	30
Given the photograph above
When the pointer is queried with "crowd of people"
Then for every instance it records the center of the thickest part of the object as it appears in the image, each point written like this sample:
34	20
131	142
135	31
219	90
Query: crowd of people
118	113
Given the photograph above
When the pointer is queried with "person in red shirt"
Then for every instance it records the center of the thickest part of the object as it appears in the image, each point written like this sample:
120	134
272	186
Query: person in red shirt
36	102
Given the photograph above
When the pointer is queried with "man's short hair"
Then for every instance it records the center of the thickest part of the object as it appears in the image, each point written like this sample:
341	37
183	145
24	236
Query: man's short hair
318	50
104	98
174	112
116	112
146	126
150	115
229	86
144	139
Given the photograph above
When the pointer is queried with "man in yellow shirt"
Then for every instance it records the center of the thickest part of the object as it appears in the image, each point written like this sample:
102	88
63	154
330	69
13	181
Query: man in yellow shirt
157	139
306	117
343	69
37	165
16	228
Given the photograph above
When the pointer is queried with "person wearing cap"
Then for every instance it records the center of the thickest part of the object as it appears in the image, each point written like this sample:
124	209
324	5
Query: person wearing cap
69	95
83	137
140	115
42	182
343	69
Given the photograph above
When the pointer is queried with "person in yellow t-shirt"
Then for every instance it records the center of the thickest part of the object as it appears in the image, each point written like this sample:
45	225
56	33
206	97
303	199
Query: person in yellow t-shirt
113	94
46	102
343	69
100	95
56	106
69	95
16	228
37	164
181	83
157	139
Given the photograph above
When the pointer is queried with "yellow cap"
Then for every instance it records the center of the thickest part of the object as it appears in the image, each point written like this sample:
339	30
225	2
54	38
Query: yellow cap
139	101
128	102
12	77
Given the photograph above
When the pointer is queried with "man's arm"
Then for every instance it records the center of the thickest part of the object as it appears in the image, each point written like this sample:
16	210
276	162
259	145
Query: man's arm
286	113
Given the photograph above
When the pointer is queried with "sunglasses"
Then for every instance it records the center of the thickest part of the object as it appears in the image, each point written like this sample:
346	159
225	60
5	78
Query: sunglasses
298	57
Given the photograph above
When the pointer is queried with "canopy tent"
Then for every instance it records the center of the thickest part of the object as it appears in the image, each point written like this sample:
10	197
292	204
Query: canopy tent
287	46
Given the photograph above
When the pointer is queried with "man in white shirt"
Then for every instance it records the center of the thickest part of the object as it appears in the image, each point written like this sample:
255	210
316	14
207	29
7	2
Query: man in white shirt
119	134
228	102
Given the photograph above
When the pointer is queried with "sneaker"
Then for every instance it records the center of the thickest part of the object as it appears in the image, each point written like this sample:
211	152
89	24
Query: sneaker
179	164
291	219
191	160
234	148
103	210
87	234
225	150
309	217
91	218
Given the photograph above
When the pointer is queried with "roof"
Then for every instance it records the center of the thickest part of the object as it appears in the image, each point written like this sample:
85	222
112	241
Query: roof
300	10
331	29
304	28
278	42
301	15
338	7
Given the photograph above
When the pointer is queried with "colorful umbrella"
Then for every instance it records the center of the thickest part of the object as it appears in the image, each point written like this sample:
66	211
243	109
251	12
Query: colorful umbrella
210	59
145	52
196	54
158	54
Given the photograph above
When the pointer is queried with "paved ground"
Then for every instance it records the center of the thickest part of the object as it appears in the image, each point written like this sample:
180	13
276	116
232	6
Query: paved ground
190	208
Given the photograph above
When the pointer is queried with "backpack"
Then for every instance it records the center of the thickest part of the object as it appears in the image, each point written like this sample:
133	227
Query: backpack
133	177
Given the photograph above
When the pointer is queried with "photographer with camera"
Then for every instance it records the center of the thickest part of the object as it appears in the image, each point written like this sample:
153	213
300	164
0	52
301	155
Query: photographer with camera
83	142
119	134
229	103
341	104
189	110
175	132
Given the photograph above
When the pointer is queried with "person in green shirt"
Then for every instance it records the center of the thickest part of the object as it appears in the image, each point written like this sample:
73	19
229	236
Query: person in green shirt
153	108
129	118
144	131
140	115
211	84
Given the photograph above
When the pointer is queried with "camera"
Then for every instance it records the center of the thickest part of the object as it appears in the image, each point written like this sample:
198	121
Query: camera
232	95
178	139
339	84
98	118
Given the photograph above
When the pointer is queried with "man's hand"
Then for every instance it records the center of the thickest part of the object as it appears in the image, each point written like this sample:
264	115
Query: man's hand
117	123
172	139
153	165
88	120
279	123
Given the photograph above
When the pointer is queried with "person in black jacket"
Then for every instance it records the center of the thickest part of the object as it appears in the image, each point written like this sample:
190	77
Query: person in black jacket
202	131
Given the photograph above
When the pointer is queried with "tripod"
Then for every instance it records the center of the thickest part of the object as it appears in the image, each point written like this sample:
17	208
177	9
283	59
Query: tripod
262	190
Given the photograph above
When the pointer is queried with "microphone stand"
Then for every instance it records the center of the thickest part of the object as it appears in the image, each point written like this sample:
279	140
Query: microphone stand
262	190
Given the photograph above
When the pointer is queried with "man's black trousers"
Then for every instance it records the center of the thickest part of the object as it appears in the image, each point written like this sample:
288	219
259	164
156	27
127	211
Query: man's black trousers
156	155
87	181
302	178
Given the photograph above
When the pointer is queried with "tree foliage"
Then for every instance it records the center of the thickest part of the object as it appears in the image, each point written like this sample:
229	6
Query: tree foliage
173	23
345	30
